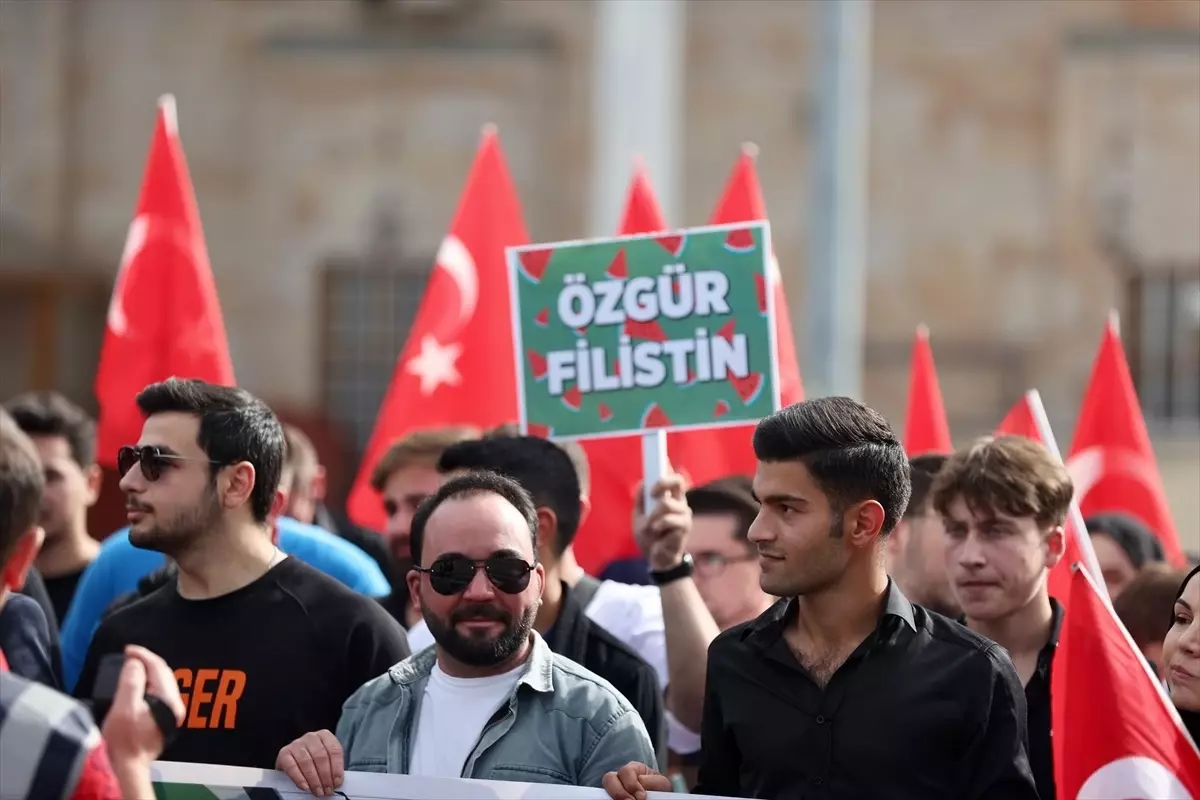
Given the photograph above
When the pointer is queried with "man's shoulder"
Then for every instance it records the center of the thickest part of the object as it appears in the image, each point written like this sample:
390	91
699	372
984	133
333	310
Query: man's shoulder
328	600
581	690
951	634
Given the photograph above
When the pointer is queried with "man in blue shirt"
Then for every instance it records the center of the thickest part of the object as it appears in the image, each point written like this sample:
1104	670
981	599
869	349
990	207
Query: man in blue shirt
120	565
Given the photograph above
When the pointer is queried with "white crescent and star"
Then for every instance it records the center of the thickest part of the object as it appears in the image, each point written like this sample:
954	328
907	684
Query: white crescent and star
135	240
437	363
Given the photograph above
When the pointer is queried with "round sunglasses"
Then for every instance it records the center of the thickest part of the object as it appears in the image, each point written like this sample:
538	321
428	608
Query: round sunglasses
451	575
151	459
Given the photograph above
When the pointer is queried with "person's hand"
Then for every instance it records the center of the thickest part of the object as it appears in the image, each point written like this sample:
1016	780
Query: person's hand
314	762
662	535
131	733
632	781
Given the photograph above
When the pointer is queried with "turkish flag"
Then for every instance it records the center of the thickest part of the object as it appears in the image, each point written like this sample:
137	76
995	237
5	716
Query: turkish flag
1115	732
925	427
164	318
456	367
1028	418
616	463
1111	459
706	455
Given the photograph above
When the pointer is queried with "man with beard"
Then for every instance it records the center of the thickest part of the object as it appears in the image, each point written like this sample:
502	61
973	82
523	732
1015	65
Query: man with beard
489	700
264	647
405	475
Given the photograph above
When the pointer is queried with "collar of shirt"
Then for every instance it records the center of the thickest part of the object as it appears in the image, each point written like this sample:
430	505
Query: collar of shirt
768	628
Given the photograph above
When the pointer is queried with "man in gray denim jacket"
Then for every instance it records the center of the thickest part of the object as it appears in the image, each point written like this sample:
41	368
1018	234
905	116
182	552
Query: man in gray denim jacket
489	700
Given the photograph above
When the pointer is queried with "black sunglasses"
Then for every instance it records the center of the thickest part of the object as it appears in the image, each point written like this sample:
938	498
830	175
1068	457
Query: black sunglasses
152	460
453	574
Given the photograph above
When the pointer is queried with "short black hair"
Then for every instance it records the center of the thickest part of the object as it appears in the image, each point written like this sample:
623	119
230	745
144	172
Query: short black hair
21	485
851	451
234	426
733	494
473	483
542	467
1130	534
923	469
51	414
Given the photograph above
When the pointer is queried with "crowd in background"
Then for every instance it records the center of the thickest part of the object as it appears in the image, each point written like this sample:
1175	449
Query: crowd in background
814	629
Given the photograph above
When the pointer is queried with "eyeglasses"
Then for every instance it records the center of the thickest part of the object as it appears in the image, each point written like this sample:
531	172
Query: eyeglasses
710	564
453	574
152	460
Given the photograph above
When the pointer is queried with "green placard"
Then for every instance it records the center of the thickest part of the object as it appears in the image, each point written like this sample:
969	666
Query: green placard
666	331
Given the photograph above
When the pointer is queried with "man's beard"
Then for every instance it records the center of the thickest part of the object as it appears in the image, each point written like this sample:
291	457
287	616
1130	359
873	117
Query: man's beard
175	535
480	651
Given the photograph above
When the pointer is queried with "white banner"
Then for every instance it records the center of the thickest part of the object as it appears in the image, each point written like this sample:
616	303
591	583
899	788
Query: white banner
212	782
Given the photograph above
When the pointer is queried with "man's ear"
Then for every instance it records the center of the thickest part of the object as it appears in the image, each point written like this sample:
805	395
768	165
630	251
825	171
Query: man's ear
1056	543
239	484
547	532
585	508
93	478
21	559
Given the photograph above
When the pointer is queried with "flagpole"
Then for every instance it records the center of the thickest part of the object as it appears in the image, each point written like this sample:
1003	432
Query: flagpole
1074	515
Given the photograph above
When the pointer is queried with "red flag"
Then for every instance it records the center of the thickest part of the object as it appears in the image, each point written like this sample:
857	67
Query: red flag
456	367
925	429
616	464
1121	737
710	454
164	318
1111	459
1028	418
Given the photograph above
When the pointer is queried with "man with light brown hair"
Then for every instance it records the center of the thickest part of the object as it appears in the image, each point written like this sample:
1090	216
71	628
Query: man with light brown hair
1003	502
405	475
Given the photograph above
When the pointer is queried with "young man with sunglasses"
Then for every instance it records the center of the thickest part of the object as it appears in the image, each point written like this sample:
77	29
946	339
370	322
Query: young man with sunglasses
264	647
490	700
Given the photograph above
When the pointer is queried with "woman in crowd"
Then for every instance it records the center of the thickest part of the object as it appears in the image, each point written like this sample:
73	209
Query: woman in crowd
1181	653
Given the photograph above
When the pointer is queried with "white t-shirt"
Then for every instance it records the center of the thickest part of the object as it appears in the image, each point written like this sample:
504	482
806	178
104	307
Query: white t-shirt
453	713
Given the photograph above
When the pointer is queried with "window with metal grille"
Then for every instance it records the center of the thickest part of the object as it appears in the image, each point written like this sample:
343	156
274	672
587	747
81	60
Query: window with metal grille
367	313
1163	341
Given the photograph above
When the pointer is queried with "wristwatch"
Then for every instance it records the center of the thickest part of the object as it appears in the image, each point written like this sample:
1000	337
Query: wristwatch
683	569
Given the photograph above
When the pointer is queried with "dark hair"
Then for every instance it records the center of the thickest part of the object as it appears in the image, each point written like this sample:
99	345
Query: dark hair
1146	604
572	448
51	414
730	495
468	485
1009	474
540	466
234	426
922	470
1138	542
851	451
21	485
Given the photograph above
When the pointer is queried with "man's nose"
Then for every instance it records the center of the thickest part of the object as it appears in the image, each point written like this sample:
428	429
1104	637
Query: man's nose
480	588
133	481
398	524
970	552
758	531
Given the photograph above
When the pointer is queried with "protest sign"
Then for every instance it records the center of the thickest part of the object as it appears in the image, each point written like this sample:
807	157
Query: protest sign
176	781
657	332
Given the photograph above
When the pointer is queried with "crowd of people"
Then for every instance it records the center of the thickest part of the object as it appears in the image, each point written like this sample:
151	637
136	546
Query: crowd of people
847	622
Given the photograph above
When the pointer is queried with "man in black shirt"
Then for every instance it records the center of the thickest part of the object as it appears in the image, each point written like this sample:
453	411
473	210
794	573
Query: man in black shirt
1004	502
844	689
65	438
264	647
545	471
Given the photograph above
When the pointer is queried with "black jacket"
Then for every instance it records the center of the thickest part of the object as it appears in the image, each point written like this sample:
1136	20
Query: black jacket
576	637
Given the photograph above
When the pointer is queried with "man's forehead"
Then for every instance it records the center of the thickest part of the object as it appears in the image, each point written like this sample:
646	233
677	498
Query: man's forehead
778	479
412	479
478	525
963	511
171	429
51	447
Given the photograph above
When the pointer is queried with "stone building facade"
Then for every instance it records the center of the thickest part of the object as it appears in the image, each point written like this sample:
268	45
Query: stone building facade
1032	165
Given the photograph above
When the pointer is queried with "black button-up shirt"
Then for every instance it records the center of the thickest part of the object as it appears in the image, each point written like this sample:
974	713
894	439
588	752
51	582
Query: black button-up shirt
1037	702
922	709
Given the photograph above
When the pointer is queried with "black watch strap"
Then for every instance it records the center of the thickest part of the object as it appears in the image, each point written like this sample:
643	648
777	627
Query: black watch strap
684	569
